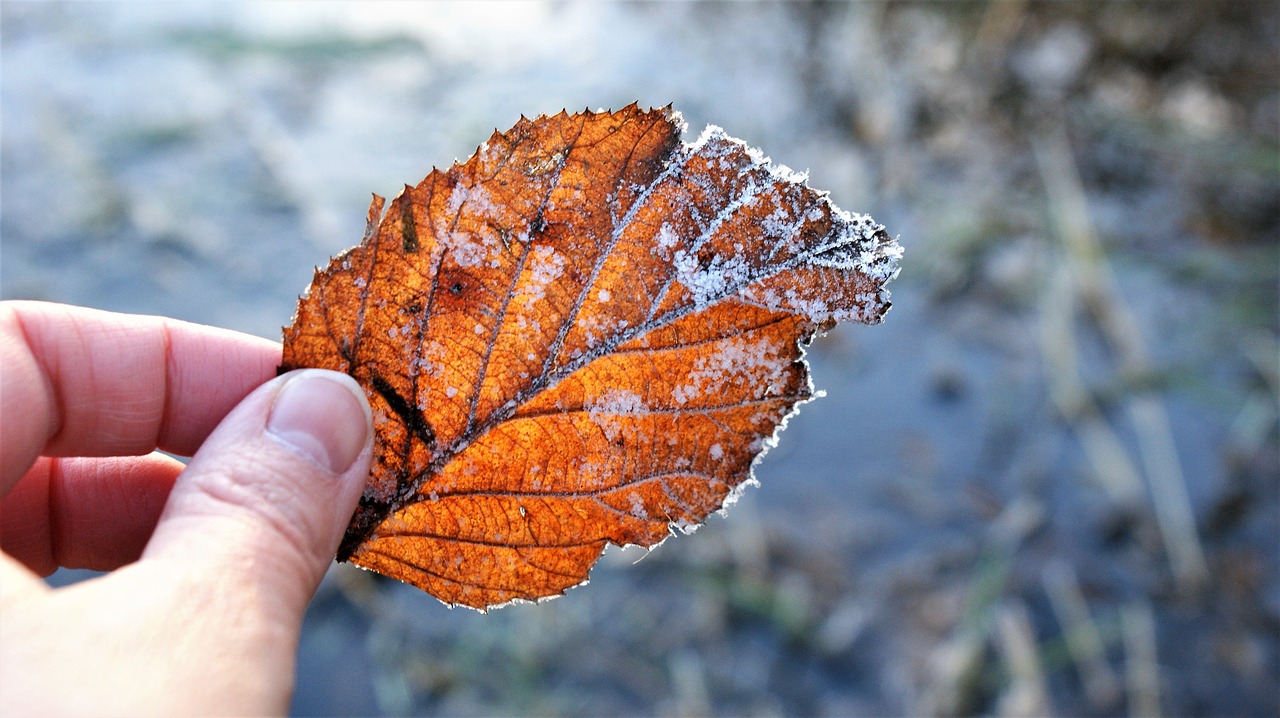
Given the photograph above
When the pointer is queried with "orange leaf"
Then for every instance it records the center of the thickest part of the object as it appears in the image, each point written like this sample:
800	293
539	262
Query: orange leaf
585	334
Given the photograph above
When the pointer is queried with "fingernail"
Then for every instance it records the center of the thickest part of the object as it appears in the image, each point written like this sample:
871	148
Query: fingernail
323	416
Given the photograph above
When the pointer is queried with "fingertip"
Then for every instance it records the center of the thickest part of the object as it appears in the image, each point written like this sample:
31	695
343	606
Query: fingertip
270	493
323	416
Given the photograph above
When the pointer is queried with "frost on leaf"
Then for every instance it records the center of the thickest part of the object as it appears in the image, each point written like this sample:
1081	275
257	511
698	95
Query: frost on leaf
584	334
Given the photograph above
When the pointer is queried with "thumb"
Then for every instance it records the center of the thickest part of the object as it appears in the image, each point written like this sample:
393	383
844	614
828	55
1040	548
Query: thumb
264	502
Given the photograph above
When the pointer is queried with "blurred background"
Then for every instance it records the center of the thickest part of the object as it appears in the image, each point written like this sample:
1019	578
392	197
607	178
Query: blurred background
1048	484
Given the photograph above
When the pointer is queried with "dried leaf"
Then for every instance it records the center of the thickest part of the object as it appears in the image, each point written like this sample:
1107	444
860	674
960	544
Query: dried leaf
585	334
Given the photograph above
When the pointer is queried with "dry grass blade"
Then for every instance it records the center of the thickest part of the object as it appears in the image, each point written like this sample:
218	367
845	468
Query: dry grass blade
689	683
956	665
1264	352
1084	640
1095	288
1026	694
1112	467
1142	672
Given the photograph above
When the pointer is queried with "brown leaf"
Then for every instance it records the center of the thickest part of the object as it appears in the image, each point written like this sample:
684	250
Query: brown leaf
584	334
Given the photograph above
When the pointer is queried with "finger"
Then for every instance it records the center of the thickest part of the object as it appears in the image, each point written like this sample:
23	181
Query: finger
269	494
82	382
85	513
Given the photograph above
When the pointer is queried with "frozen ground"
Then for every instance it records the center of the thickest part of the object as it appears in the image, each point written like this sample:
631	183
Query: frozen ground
1047	484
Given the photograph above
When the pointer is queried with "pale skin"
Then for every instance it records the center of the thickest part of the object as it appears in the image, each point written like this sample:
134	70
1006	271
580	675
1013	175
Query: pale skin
212	564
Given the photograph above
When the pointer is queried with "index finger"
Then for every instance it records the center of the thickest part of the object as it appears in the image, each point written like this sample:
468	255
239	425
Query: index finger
84	382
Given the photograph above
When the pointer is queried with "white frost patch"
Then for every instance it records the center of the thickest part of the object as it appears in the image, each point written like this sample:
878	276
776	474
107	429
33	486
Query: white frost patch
637	506
476	199
717	452
620	401
606	410
784	229
667	240
545	267
716	280
603	296
685	526
381	490
465	248
433	357
595	327
738	359
451	391
816	308
420	364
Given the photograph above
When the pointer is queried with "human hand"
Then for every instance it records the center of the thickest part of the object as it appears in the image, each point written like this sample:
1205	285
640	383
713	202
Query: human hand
213	564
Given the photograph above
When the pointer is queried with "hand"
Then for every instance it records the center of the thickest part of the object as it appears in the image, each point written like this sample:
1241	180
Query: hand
213	563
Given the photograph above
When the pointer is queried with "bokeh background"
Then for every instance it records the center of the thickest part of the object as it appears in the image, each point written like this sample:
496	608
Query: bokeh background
1048	484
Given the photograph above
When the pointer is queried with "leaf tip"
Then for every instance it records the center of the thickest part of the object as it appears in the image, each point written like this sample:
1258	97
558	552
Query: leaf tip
373	218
